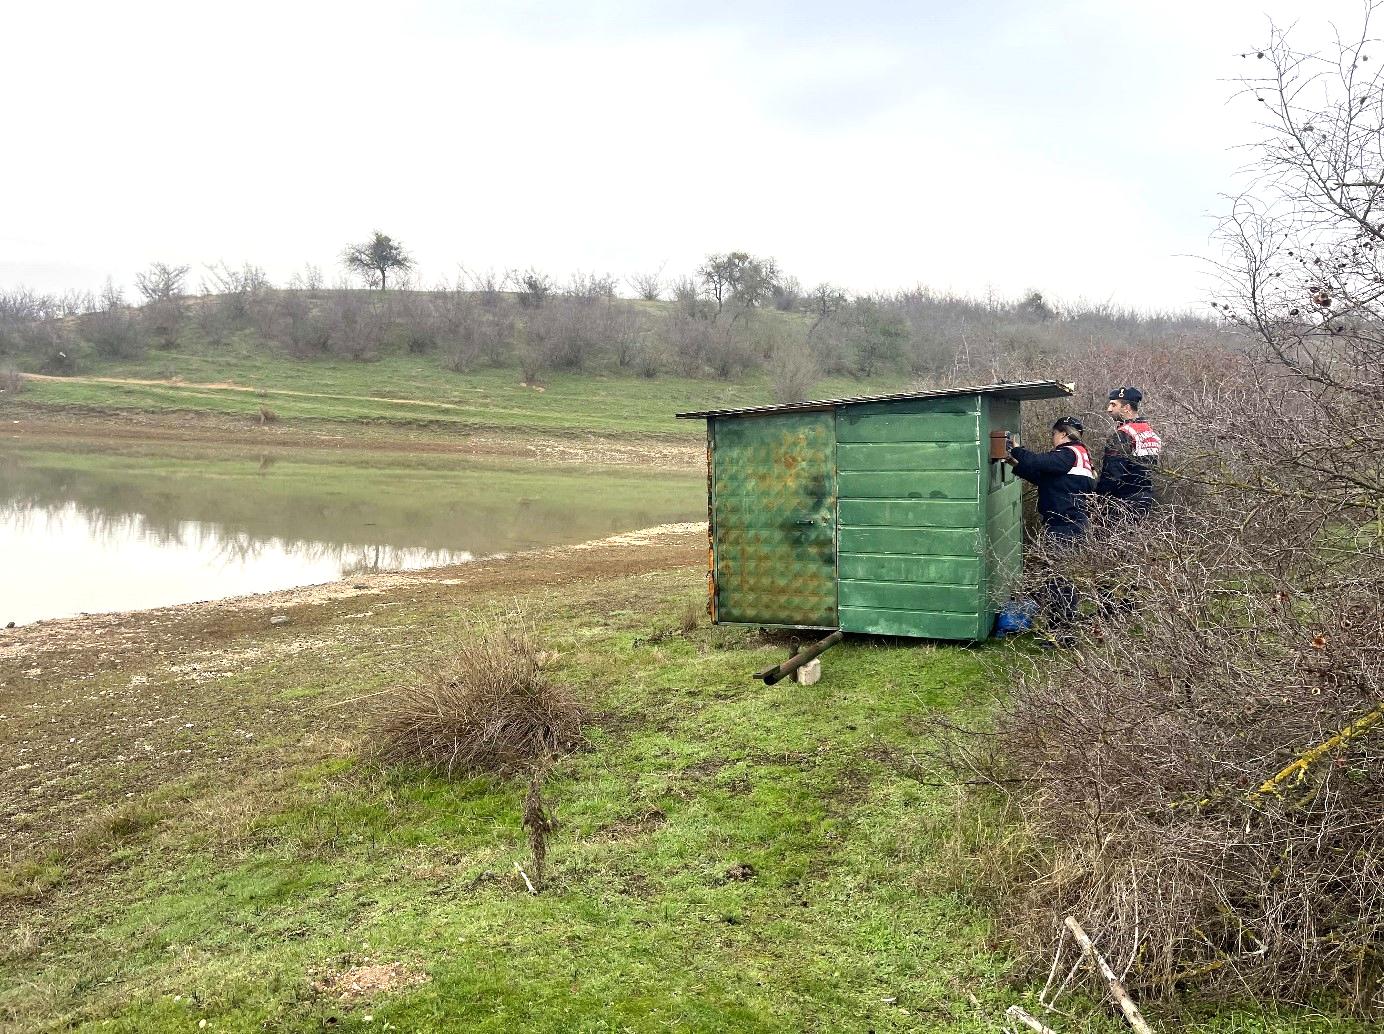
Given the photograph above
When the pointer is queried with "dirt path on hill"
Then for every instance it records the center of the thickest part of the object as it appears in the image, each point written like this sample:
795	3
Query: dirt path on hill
178	382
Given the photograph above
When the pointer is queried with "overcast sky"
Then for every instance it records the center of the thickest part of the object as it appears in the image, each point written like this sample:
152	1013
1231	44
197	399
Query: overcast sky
1077	147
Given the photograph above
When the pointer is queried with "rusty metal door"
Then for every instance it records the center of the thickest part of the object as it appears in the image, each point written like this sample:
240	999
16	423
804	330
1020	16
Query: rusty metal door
773	506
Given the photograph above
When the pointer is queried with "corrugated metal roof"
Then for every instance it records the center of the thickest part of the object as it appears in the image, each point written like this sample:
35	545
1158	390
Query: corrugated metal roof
1022	391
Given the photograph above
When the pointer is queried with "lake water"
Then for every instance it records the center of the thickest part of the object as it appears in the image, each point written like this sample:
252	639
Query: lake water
97	528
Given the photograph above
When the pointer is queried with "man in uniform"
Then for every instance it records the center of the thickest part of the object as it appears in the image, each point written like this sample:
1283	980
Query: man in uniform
1131	451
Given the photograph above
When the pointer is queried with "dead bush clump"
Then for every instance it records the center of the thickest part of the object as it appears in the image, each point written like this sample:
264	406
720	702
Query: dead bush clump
489	707
1200	781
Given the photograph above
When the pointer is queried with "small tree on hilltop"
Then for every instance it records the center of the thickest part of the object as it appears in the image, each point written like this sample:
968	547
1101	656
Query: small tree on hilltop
739	276
161	282
375	259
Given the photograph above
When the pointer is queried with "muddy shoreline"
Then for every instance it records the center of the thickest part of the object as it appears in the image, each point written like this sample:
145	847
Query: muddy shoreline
132	427
521	571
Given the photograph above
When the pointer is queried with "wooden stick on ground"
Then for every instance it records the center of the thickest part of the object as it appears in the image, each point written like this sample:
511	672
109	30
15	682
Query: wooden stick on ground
527	882
1031	1022
1127	1006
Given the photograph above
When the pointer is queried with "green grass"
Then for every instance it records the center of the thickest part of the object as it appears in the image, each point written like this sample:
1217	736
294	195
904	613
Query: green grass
414	391
220	894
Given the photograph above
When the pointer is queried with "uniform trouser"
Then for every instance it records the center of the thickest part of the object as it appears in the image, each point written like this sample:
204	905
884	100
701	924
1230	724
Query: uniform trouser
1057	595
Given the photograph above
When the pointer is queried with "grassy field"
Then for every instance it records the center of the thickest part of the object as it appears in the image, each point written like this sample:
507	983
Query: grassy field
408	391
200	836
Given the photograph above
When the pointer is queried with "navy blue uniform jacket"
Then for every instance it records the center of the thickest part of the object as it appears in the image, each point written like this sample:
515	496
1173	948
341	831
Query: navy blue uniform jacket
1062	486
1130	451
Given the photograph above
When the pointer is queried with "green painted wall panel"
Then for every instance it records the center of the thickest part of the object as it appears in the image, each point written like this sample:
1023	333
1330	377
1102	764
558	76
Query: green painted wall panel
912	519
912	456
913	420
941	484
773	500
911	623
952	599
889	568
909	513
962	542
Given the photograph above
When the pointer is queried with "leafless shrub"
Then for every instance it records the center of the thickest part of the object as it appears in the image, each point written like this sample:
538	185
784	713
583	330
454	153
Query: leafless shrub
161	282
489	287
648	358
591	287
160	322
112	329
24	305
11	382
308	279
647	287
787	294
488	708
688	343
478	335
234	288
355	323
532	287
793	368
687	297
300	325
1232	640
1189	773
731	350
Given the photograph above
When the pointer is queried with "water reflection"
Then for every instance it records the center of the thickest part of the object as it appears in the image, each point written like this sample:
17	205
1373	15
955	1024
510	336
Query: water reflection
104	529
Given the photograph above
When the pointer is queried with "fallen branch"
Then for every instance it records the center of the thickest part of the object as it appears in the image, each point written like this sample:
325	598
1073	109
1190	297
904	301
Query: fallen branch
527	882
1127	1006
1300	765
1028	1020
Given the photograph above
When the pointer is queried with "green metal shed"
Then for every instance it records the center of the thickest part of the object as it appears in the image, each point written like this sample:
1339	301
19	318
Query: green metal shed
882	514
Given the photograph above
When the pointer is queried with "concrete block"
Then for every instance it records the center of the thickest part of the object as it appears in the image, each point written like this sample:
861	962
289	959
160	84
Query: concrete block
809	673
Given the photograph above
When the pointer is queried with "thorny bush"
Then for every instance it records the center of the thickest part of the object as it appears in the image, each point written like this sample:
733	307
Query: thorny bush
1202	777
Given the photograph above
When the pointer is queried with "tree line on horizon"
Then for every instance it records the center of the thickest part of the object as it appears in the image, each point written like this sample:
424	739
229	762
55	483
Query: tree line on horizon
737	315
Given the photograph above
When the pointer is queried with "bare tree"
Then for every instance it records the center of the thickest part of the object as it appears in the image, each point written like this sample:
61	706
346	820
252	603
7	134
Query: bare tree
1302	271
161	282
824	301
740	276
647	287
787	293
375	259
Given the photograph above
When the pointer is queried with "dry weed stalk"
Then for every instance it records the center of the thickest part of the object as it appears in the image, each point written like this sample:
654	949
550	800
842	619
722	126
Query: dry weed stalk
539	820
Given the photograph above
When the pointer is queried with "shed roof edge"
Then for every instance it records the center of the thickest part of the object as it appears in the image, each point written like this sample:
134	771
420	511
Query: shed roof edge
1022	391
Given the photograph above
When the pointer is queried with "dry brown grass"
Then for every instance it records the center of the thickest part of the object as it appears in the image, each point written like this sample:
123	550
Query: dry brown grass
489	707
